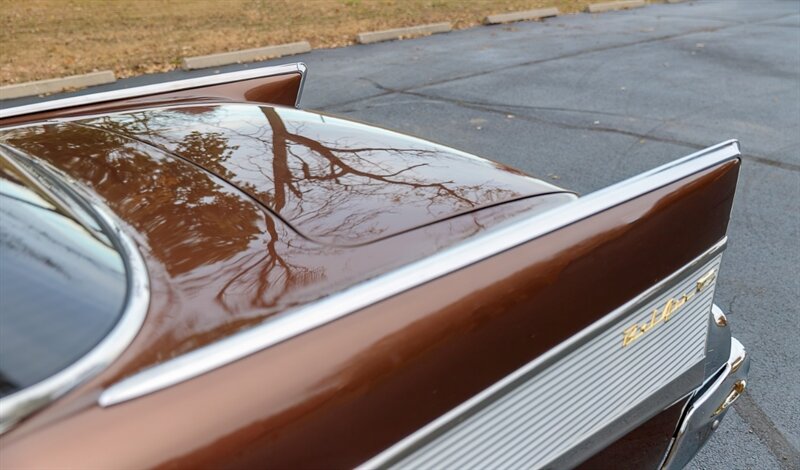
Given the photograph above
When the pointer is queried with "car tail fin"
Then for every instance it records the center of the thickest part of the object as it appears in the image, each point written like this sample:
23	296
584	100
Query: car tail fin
535	344
555	273
281	85
588	320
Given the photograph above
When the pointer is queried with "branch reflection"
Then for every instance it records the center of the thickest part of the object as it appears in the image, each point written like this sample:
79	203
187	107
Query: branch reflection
328	178
218	261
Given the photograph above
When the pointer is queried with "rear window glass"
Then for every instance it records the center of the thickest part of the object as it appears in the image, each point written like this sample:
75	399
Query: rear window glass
62	281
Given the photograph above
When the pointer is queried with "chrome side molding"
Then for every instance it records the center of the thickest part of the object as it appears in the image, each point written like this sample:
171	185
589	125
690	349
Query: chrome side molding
165	87
313	315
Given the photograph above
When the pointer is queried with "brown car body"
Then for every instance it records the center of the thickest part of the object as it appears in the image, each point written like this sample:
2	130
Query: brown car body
243	211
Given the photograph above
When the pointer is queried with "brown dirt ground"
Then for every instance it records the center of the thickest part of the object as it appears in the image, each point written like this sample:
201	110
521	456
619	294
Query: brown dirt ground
42	39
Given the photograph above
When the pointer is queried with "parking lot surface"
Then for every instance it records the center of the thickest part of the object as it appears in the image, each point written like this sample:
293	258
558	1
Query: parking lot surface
587	100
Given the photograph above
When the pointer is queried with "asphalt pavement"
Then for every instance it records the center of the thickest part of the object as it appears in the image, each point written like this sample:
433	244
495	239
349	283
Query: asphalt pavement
587	100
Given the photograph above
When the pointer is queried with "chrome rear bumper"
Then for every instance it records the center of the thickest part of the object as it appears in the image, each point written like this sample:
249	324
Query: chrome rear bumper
713	399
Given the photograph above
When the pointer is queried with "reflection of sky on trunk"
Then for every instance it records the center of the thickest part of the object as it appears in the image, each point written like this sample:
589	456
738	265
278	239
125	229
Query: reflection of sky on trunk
333	180
61	289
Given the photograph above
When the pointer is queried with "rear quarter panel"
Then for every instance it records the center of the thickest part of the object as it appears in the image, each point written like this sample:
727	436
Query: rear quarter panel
342	393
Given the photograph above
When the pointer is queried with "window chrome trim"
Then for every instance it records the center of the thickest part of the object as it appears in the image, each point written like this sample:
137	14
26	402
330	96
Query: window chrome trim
20	404
165	87
297	321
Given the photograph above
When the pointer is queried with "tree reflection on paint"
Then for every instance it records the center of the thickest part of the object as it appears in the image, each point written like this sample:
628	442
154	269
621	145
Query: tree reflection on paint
221	260
218	247
326	177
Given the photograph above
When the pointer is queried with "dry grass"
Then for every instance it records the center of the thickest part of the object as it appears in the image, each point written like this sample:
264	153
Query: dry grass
53	38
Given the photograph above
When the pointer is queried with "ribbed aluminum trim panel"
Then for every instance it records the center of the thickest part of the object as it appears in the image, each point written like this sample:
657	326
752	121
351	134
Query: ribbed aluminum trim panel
566	403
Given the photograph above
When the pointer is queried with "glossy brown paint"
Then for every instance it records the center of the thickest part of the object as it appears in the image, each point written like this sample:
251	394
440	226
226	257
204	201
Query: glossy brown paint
333	180
218	261
341	393
278	89
644	447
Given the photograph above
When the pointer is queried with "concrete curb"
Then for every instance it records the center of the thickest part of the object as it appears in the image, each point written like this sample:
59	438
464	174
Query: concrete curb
55	85
611	6
398	33
245	55
521	15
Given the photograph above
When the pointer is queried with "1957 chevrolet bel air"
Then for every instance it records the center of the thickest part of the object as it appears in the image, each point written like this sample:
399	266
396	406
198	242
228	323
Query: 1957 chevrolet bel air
199	274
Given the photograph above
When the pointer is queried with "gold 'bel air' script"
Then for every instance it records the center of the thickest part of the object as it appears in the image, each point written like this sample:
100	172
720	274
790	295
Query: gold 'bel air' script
663	314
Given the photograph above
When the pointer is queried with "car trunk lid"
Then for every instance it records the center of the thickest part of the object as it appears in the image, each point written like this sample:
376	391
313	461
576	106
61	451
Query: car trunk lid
333	180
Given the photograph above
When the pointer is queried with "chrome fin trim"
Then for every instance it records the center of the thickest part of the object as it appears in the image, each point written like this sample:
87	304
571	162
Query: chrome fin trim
297	321
157	88
303	69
